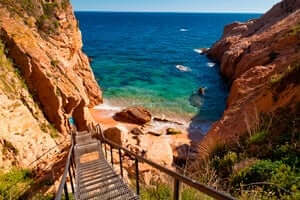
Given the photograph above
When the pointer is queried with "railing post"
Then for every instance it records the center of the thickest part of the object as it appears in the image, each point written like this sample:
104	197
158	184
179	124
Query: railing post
121	164
111	156
137	176
71	180
176	192
105	149
66	191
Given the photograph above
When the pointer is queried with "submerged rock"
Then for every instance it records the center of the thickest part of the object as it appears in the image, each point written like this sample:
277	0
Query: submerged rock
135	115
196	100
201	91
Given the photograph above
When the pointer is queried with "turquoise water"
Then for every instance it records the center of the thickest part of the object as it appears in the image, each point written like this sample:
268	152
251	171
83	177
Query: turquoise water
135	57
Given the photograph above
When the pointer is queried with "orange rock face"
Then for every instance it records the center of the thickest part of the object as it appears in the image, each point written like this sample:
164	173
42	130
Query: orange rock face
261	58
44	42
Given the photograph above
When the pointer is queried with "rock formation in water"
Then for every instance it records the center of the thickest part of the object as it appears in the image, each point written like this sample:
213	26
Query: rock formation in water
45	76
261	59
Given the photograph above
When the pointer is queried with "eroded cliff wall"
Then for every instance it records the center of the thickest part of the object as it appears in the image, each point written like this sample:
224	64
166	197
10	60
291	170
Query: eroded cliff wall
45	78
43	40
261	59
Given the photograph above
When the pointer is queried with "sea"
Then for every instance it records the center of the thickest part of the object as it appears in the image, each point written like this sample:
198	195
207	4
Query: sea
154	60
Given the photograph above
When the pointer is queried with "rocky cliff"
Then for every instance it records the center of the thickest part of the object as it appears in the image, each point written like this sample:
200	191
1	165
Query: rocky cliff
261	60
42	39
45	78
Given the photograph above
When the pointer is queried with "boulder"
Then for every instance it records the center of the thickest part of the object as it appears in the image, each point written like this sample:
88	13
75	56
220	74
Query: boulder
116	135
135	115
158	149
173	131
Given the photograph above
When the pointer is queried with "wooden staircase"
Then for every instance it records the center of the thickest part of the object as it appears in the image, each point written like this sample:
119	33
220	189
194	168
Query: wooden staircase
94	177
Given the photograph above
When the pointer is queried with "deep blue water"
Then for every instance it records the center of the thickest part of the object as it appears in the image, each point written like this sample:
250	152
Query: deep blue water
135	57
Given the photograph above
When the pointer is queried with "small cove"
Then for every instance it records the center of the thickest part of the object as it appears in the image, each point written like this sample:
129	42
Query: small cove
147	59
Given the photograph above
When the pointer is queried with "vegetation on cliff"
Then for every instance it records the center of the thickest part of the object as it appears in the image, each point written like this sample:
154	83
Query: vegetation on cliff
264	163
41	13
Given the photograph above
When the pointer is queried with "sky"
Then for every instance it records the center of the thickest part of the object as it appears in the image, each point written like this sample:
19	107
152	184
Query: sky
252	6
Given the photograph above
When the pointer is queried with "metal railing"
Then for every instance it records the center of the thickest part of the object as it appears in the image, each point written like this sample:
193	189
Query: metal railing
178	178
68	171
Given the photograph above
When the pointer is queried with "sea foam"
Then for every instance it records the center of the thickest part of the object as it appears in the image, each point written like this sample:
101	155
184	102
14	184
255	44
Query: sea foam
200	51
183	30
107	106
211	64
183	68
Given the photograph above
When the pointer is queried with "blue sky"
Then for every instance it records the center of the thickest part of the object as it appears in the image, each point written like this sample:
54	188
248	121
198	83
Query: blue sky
259	6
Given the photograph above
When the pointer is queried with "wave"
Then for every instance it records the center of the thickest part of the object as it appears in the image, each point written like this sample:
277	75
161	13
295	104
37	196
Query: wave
200	51
211	64
107	106
183	30
183	68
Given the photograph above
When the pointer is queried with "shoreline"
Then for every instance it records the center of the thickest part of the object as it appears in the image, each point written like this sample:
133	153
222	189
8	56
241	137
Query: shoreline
191	130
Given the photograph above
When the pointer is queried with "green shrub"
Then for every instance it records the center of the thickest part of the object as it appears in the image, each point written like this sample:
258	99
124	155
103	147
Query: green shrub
158	191
49	8
273	176
285	177
193	194
258	172
295	30
14	183
258	138
287	153
224	165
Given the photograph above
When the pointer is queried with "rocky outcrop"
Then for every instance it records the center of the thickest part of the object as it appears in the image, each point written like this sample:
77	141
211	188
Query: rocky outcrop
135	115
261	58
25	134
116	135
44	42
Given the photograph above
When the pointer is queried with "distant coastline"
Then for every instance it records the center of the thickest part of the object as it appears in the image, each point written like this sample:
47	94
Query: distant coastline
168	12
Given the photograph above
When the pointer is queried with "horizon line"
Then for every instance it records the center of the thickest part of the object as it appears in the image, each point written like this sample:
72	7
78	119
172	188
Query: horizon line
183	12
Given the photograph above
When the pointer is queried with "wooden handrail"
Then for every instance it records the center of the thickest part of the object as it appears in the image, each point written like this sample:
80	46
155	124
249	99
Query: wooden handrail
63	183
177	177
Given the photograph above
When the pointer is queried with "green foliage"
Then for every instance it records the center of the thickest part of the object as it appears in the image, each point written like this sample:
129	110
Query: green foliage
158	191
258	138
50	8
13	183
49	128
276	78
163	191
274	176
224	164
40	196
286	177
193	194
291	72
260	171
295	30
265	163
